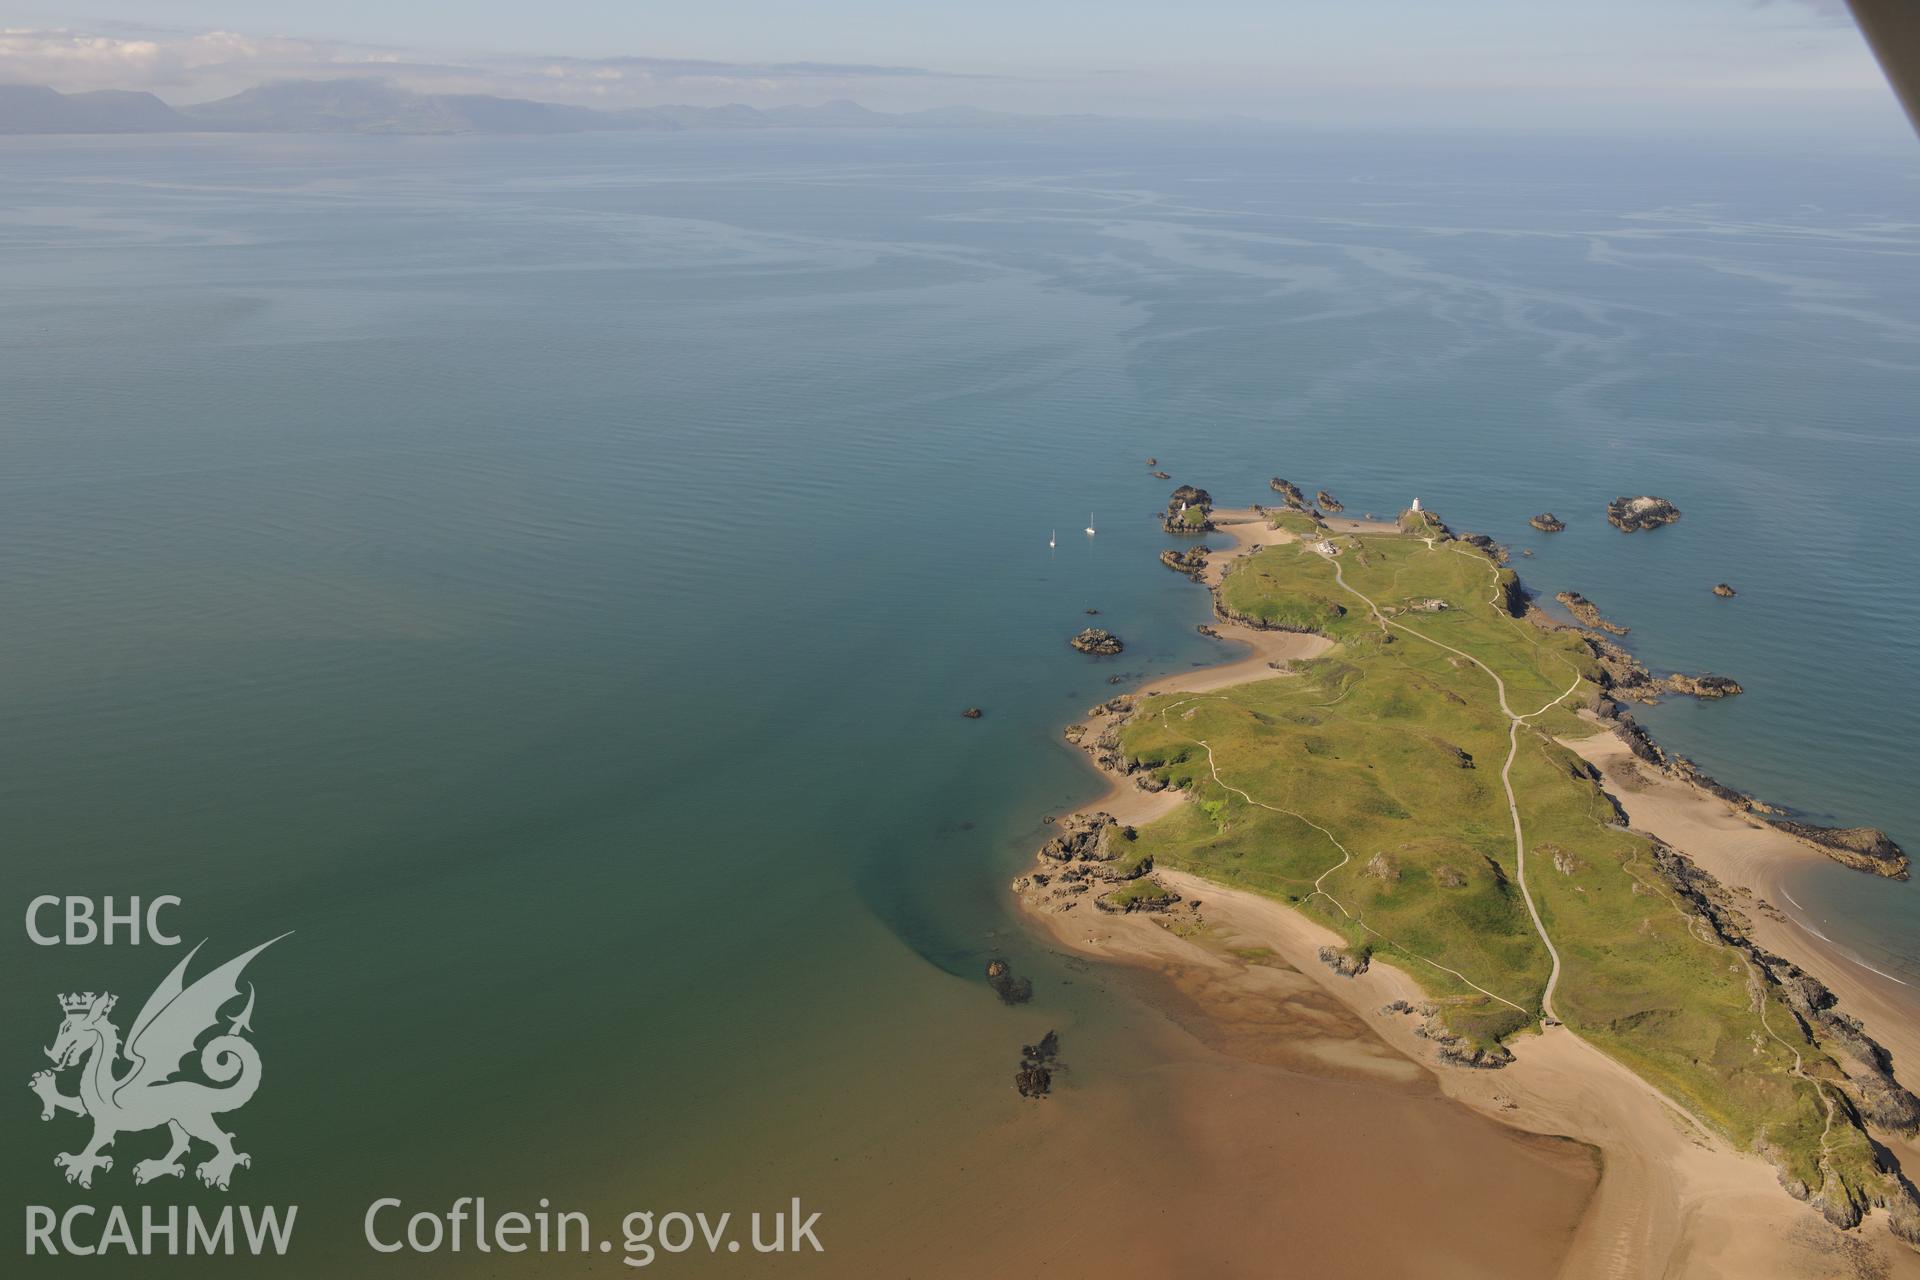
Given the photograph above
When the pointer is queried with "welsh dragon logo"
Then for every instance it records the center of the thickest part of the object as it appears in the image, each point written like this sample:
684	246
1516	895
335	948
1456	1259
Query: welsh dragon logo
146	1095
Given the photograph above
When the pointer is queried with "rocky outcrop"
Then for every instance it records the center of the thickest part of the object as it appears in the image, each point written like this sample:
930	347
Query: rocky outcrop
1862	848
1101	740
1097	640
1450	1047
1192	561
1701	686
1626	679
1162	475
1629	515
1347	964
1724	591
1143	894
1485	544
1189	510
973	713
1588	613
1090	854
1512	596
1327	501
1547	522
1296	500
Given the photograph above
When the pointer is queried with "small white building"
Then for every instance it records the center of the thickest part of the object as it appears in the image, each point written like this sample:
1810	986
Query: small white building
1416	504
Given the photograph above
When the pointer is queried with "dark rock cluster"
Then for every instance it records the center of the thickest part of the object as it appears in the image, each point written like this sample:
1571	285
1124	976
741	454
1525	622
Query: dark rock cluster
1624	678
1451	1048
1296	500
1547	522
1702	686
1645	512
1192	561
1345	963
1091	853
1327	501
1034	1079
1097	640
1724	591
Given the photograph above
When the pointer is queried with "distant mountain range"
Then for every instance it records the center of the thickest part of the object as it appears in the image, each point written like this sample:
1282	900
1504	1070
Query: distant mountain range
376	106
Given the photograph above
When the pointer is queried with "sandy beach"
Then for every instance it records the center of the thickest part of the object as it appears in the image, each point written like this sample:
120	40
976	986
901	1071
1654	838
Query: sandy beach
1673	1198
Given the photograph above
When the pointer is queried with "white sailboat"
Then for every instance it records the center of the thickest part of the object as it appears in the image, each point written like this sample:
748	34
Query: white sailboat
1089	524
1053	539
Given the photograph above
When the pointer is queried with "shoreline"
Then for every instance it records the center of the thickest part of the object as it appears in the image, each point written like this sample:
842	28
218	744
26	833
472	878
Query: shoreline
1673	1197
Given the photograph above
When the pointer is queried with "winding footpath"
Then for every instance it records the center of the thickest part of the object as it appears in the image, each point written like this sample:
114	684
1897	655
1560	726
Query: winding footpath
1346	856
1514	721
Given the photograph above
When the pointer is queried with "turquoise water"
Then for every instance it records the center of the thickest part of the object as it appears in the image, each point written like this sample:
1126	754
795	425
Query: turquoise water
546	575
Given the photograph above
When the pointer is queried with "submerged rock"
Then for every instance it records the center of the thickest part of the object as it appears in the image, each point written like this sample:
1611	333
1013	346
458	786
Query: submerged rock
1097	640
1034	1079
1645	512
1010	988
1547	522
1162	475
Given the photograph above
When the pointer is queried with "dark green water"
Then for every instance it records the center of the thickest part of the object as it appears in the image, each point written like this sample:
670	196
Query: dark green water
545	575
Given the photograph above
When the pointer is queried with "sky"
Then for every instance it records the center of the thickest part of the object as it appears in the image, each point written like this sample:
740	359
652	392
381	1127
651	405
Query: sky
1692	65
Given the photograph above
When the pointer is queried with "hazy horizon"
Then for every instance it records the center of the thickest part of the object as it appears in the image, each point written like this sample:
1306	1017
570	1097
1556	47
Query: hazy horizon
1721	66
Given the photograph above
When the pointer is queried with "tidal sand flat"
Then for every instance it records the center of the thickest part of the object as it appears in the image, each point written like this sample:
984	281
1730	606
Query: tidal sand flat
1392	814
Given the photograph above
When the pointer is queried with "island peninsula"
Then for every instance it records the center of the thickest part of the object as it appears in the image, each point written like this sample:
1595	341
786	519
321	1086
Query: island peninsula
1424	790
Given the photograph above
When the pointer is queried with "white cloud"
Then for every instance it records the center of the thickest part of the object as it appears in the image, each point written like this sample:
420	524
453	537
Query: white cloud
73	60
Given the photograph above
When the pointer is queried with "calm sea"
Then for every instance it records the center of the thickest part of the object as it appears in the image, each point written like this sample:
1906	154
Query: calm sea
546	576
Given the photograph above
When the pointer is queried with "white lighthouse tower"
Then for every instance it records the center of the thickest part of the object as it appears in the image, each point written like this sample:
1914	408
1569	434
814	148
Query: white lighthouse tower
1416	504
